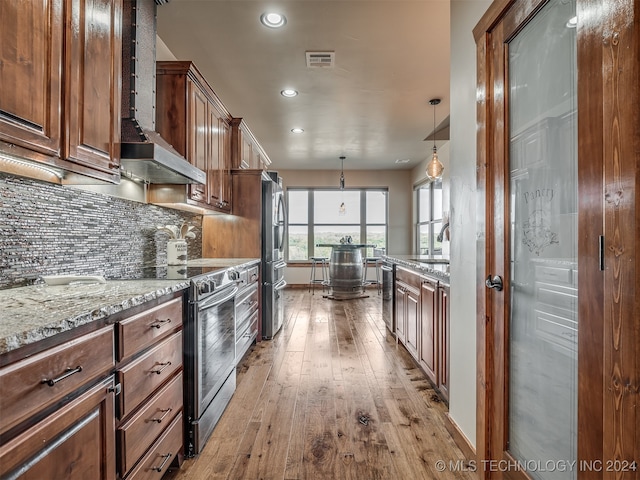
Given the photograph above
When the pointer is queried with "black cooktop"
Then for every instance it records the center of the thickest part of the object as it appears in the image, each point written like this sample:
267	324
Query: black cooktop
177	272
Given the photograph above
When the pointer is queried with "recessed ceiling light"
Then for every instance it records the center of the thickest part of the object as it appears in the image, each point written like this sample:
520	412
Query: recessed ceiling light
273	20
573	22
297	130
289	92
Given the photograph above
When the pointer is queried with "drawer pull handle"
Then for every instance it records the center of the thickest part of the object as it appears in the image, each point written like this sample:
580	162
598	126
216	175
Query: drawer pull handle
159	323
166	459
164	412
162	367
67	373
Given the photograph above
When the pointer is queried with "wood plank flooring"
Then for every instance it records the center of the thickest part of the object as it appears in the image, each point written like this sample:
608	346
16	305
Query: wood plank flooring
331	397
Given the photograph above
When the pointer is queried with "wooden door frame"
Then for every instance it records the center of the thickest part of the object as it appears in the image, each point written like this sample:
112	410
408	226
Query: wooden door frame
608	55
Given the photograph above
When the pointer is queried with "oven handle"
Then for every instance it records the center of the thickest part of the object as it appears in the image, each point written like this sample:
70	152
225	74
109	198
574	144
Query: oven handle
279	265
386	269
280	285
215	301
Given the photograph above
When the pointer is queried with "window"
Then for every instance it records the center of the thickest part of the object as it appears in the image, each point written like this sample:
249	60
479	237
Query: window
428	199
315	217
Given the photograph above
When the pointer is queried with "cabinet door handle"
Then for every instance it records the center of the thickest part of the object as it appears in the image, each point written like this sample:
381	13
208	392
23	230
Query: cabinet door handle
159	419
495	282
166	459
162	367
67	373
159	323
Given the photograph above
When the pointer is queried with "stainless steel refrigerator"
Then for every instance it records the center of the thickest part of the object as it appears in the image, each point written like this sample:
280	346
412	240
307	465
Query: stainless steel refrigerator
274	223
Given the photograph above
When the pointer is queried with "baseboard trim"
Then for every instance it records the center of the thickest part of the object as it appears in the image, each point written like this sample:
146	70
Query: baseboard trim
460	438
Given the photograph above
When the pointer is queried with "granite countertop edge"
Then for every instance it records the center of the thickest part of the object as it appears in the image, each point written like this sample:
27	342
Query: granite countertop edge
435	270
30	314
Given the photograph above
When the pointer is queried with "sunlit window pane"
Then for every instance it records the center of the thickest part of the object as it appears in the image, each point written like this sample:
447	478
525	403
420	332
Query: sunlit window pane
376	207
326	206
298	243
331	234
364	219
437	201
437	245
424	239
376	235
424	213
298	206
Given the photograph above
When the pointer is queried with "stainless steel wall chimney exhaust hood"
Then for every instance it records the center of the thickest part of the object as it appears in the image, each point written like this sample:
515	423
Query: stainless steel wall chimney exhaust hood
145	155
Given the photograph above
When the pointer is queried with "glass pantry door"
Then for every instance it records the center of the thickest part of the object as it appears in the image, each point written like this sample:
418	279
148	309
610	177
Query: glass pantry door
541	107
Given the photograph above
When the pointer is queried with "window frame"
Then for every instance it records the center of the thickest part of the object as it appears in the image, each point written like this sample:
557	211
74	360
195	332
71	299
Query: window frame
431	221
310	224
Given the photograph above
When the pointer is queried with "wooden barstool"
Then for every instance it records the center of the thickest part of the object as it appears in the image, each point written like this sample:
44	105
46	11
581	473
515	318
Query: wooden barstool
377	262
324	273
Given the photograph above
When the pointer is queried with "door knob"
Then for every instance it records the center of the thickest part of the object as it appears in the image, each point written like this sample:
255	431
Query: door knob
495	282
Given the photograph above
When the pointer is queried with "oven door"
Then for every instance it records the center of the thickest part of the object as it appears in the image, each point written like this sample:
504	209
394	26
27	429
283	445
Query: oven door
215	346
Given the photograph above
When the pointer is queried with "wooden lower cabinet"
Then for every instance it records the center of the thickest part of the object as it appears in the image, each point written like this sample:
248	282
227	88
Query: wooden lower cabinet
429	339
161	454
407	309
77	442
149	428
43	380
422	324
443	354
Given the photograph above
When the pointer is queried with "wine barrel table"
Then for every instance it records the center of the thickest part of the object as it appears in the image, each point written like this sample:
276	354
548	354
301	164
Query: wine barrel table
345	270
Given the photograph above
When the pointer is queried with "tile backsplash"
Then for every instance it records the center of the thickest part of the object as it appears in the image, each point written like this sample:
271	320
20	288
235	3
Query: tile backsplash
48	229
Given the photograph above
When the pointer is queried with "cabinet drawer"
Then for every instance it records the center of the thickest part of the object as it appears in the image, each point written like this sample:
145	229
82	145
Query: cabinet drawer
76	442
141	377
245	338
409	277
138	332
246	303
145	426
37	382
156	462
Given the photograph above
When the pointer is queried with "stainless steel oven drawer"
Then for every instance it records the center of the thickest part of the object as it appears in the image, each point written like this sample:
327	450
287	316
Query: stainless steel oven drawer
246	303
245	338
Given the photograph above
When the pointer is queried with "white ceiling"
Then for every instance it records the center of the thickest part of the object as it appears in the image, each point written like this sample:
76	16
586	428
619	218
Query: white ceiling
391	57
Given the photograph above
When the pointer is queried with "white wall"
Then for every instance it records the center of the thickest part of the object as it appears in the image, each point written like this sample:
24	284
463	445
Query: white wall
397	181
462	405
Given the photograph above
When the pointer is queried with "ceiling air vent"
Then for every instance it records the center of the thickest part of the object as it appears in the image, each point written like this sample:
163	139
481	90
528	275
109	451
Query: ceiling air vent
321	59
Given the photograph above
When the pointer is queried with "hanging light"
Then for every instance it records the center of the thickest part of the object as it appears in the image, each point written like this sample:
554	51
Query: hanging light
342	210
434	167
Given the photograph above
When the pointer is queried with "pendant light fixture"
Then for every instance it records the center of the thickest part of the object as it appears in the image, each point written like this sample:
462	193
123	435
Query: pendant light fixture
434	167
342	210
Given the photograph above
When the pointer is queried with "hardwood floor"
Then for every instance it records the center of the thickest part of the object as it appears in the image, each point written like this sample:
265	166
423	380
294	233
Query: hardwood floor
331	397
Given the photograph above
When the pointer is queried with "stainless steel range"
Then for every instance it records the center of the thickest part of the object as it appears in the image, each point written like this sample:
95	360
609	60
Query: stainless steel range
209	353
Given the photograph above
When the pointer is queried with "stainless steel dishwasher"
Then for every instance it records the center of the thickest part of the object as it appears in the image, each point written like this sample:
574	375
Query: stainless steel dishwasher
388	300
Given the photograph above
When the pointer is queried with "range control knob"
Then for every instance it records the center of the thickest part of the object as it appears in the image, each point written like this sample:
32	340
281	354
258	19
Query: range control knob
233	274
203	287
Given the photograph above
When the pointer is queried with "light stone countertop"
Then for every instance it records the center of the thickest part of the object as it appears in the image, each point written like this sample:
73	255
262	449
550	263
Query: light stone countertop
33	313
420	263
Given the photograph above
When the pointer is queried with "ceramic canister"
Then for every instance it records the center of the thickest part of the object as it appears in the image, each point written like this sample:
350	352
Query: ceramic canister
176	252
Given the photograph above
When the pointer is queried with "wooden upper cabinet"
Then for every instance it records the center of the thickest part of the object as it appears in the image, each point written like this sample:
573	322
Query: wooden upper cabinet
94	49
31	74
191	117
60	75
199	138
246	152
